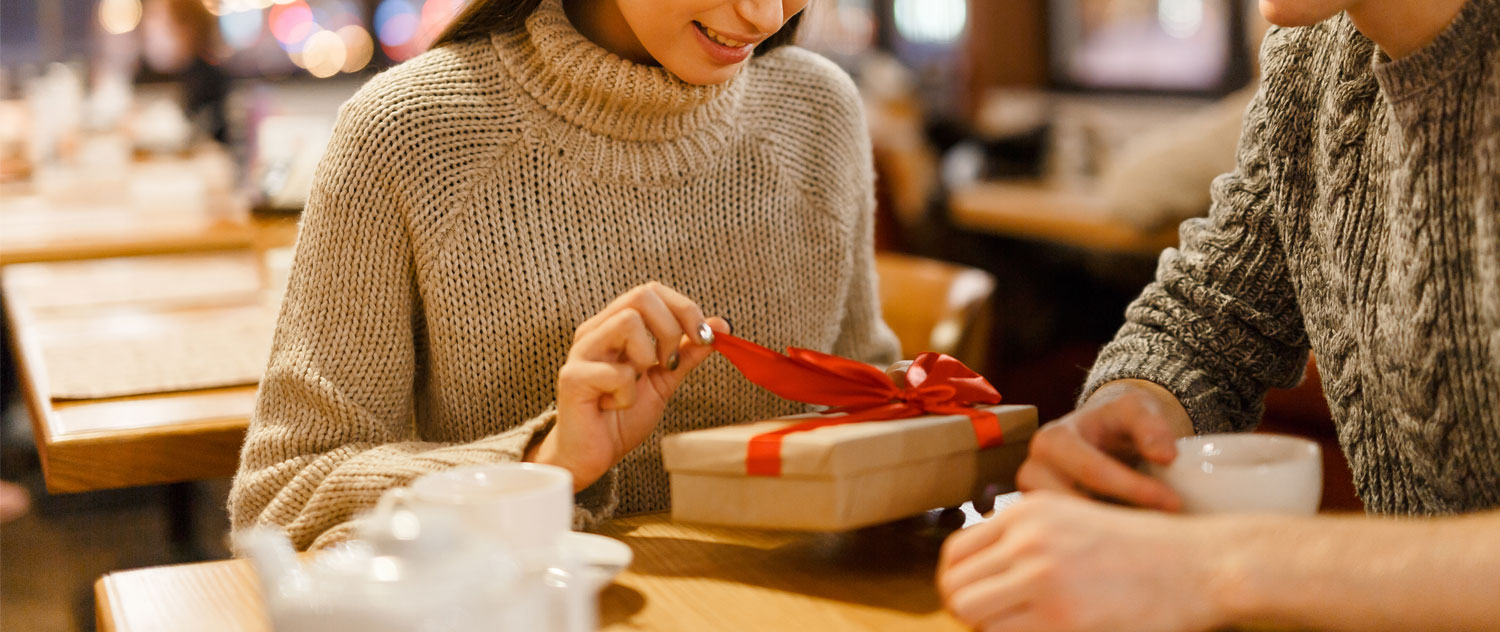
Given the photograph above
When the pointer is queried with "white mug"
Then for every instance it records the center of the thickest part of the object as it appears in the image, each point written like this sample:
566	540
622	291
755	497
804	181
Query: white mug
1245	473
527	506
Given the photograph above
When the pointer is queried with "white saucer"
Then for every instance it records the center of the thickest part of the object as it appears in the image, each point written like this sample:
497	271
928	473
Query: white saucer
605	557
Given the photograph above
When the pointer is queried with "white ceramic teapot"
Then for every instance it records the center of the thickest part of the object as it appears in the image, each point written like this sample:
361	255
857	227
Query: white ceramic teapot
411	569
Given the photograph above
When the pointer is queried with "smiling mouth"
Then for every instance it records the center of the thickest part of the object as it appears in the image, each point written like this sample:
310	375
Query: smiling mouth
718	38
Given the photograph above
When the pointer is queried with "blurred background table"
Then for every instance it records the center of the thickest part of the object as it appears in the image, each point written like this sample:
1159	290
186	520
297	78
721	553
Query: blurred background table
684	577
1039	211
113	205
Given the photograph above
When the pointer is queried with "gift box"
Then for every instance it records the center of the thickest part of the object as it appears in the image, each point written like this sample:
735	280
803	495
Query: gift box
833	476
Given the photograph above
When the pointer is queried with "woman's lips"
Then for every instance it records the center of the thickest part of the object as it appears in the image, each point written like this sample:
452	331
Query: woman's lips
721	48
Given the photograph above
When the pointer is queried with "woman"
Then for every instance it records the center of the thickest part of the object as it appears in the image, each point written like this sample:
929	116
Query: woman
1363	223
497	257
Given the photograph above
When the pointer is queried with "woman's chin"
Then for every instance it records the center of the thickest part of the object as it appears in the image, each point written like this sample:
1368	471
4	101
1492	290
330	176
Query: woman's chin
702	73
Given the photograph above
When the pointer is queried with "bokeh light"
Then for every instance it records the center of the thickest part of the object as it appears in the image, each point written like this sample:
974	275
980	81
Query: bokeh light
931	21
323	55
226	7
119	16
396	23
436	14
242	29
358	47
292	24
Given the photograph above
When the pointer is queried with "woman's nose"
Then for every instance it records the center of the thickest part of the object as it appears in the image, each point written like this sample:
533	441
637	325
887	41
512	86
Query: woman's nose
766	15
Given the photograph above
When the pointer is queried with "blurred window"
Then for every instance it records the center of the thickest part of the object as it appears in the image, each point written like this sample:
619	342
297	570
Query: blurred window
34	32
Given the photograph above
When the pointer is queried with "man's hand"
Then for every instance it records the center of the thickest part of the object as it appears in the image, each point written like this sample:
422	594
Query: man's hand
1051	562
1092	450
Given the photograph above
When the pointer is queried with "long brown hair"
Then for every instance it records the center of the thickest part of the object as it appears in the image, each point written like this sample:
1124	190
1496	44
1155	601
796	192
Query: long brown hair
482	17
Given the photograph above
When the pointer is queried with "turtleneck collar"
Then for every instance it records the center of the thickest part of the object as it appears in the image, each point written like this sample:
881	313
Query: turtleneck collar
599	91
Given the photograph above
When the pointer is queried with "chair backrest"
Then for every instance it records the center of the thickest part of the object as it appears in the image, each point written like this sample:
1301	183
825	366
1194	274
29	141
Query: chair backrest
936	306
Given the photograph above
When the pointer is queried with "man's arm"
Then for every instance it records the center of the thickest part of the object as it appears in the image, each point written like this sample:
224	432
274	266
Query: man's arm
1361	573
1054	562
1219	326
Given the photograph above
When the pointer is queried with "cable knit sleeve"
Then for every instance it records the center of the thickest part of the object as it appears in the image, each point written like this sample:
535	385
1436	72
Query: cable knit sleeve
1221	324
333	426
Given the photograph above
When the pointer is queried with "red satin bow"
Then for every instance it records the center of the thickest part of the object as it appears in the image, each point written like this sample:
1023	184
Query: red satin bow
936	384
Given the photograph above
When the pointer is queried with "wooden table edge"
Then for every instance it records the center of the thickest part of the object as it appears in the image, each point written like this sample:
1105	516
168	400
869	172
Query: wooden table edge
128	435
103	605
28	358
221	236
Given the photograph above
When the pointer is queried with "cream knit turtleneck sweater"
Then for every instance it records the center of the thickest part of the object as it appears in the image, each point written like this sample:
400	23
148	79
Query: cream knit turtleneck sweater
480	201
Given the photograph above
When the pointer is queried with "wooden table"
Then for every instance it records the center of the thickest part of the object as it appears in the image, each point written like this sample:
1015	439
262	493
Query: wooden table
142	439
1052	213
684	577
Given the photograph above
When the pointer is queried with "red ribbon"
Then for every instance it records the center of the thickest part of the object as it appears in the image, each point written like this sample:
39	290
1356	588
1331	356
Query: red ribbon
936	384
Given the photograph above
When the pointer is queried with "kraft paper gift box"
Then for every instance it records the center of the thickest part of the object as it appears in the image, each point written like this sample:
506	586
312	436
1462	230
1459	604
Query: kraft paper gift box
842	477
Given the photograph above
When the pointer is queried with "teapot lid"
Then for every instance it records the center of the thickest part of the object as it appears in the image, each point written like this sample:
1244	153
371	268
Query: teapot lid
404	552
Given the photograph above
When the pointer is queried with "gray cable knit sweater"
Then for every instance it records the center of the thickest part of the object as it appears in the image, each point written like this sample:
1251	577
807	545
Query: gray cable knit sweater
1363	223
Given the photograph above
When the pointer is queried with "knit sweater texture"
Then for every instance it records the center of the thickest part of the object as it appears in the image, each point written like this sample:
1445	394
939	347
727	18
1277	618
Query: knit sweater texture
480	201
1363	223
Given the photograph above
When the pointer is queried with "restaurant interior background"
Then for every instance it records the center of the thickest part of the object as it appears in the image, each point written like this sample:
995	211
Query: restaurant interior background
154	155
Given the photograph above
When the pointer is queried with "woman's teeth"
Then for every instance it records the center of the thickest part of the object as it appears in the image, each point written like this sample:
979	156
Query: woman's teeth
715	36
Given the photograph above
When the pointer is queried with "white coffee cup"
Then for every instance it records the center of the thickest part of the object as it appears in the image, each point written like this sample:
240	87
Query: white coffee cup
527	506
1245	473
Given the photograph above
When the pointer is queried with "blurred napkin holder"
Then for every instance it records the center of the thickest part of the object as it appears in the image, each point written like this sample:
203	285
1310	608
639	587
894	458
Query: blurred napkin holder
844	477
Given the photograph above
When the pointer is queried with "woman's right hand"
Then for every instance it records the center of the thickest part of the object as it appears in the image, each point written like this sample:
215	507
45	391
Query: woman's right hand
1087	451
624	365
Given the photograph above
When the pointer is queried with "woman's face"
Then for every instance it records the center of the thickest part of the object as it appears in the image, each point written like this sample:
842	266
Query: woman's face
705	41
1302	12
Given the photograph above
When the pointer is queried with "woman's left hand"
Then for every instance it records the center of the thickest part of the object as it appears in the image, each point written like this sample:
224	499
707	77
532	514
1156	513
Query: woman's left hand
1054	562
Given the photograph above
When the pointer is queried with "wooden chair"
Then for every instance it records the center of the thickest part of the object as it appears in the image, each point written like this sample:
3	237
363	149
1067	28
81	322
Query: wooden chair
936	306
